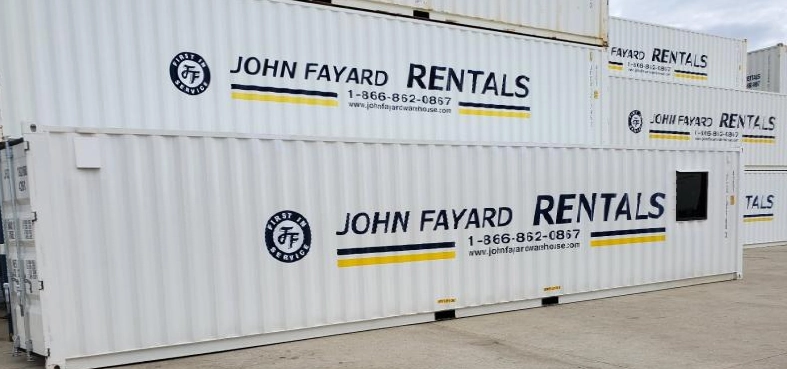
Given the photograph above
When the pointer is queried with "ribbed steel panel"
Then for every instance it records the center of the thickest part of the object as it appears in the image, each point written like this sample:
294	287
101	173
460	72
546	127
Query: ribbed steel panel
644	50
658	114
19	235
91	63
767	69
763	197
571	20
145	240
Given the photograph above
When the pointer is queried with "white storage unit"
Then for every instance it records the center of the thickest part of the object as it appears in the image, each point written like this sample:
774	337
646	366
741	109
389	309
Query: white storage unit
767	69
289	68
583	21
656	114
650	51
763	196
142	245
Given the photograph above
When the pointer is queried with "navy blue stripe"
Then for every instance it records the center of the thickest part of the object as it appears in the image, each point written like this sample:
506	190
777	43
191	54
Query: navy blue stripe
758	136
757	215
615	63
627	231
670	132
395	248
279	90
694	73
493	106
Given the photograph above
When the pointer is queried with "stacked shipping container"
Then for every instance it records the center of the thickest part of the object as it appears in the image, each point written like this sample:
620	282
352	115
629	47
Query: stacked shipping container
667	54
767	69
677	88
661	114
252	172
454	84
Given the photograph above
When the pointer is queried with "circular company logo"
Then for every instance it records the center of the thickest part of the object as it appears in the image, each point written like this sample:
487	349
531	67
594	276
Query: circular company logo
635	121
288	236
190	73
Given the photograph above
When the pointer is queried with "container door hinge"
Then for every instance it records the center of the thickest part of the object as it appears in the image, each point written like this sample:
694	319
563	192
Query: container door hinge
48	353
35	216
40	285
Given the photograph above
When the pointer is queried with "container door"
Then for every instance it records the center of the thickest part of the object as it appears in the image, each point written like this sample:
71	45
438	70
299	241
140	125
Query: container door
18	228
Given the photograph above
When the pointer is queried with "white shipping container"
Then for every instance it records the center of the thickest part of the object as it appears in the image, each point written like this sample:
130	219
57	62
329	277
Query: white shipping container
764	210
141	245
656	114
767	69
289	68
661	53
582	21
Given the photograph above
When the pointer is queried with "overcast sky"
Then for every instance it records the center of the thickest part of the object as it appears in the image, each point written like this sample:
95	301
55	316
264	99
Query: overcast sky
762	22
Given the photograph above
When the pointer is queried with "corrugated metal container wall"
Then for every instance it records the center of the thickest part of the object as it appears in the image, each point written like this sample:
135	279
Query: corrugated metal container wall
767	69
763	197
644	50
226	242
290	68
582	21
662	115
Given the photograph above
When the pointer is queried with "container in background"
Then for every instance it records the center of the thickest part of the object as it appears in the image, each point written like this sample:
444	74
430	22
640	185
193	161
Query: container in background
583	21
668	54
763	197
655	114
767	69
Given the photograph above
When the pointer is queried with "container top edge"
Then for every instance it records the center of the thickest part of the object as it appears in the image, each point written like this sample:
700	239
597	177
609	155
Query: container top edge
491	31
779	46
203	134
684	84
742	40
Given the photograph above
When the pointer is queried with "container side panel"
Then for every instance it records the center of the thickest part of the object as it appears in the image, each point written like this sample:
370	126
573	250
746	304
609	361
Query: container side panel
17	102
766	69
650	51
667	115
180	239
763	206
293	68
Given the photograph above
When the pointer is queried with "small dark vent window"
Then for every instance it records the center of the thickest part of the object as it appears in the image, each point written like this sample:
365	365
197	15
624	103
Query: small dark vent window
420	14
692	196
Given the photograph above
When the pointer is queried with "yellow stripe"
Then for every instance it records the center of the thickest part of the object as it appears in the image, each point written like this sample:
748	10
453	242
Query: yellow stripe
691	76
284	99
762	219
627	240
661	136
760	140
493	113
393	259
615	67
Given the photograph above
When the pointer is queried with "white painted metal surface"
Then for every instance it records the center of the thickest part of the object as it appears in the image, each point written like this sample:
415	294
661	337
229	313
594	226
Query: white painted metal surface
330	72
763	198
658	114
19	235
570	20
767	69
171	245
644	50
